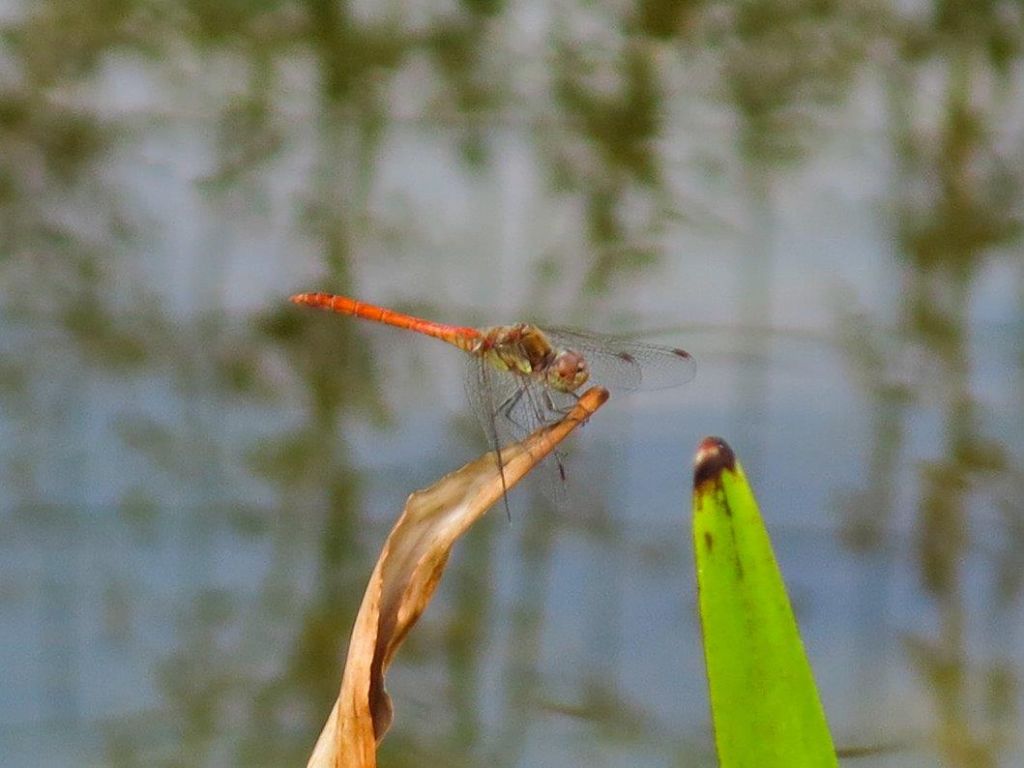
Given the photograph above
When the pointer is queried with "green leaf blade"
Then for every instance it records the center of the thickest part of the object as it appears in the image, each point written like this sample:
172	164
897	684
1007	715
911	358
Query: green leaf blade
764	702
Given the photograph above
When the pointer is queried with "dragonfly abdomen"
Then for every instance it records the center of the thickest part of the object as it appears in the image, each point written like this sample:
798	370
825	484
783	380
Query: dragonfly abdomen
463	337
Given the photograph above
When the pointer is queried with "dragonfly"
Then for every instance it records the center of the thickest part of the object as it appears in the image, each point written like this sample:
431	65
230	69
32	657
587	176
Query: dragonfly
522	376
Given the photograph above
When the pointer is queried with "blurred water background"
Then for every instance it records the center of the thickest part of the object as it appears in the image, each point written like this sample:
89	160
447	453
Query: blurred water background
820	199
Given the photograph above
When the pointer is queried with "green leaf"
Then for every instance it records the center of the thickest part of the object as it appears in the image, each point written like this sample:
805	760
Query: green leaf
764	703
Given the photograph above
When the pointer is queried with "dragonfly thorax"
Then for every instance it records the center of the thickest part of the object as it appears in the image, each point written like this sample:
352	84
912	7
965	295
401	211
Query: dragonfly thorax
527	350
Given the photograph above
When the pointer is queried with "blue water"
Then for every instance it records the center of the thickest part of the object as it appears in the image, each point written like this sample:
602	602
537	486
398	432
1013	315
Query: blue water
196	477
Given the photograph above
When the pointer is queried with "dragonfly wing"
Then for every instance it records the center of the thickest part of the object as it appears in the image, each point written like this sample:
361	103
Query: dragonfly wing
626	364
483	398
481	395
510	407
498	400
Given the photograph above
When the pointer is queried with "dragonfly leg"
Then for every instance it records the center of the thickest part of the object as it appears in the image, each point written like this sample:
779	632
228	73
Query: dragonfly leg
555	408
510	404
539	406
549	406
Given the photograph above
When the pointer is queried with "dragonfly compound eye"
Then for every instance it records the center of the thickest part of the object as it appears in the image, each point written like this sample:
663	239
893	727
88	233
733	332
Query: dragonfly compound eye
568	371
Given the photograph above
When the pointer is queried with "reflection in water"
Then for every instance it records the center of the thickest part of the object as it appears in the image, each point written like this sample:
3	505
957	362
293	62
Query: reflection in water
964	207
205	475
956	207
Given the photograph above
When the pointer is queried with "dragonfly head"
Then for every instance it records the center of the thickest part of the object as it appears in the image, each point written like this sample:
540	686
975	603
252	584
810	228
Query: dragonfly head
568	371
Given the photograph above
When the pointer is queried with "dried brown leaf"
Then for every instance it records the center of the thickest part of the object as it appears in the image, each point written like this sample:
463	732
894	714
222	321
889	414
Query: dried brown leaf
405	577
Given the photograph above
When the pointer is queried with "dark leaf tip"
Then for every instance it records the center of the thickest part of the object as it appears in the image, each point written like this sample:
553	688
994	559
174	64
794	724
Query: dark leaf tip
713	456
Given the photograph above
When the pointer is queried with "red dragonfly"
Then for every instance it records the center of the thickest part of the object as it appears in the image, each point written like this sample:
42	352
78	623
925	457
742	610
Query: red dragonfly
523	376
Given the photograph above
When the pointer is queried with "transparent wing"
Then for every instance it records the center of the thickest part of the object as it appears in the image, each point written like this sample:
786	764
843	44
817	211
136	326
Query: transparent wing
626	364
483	399
509	407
